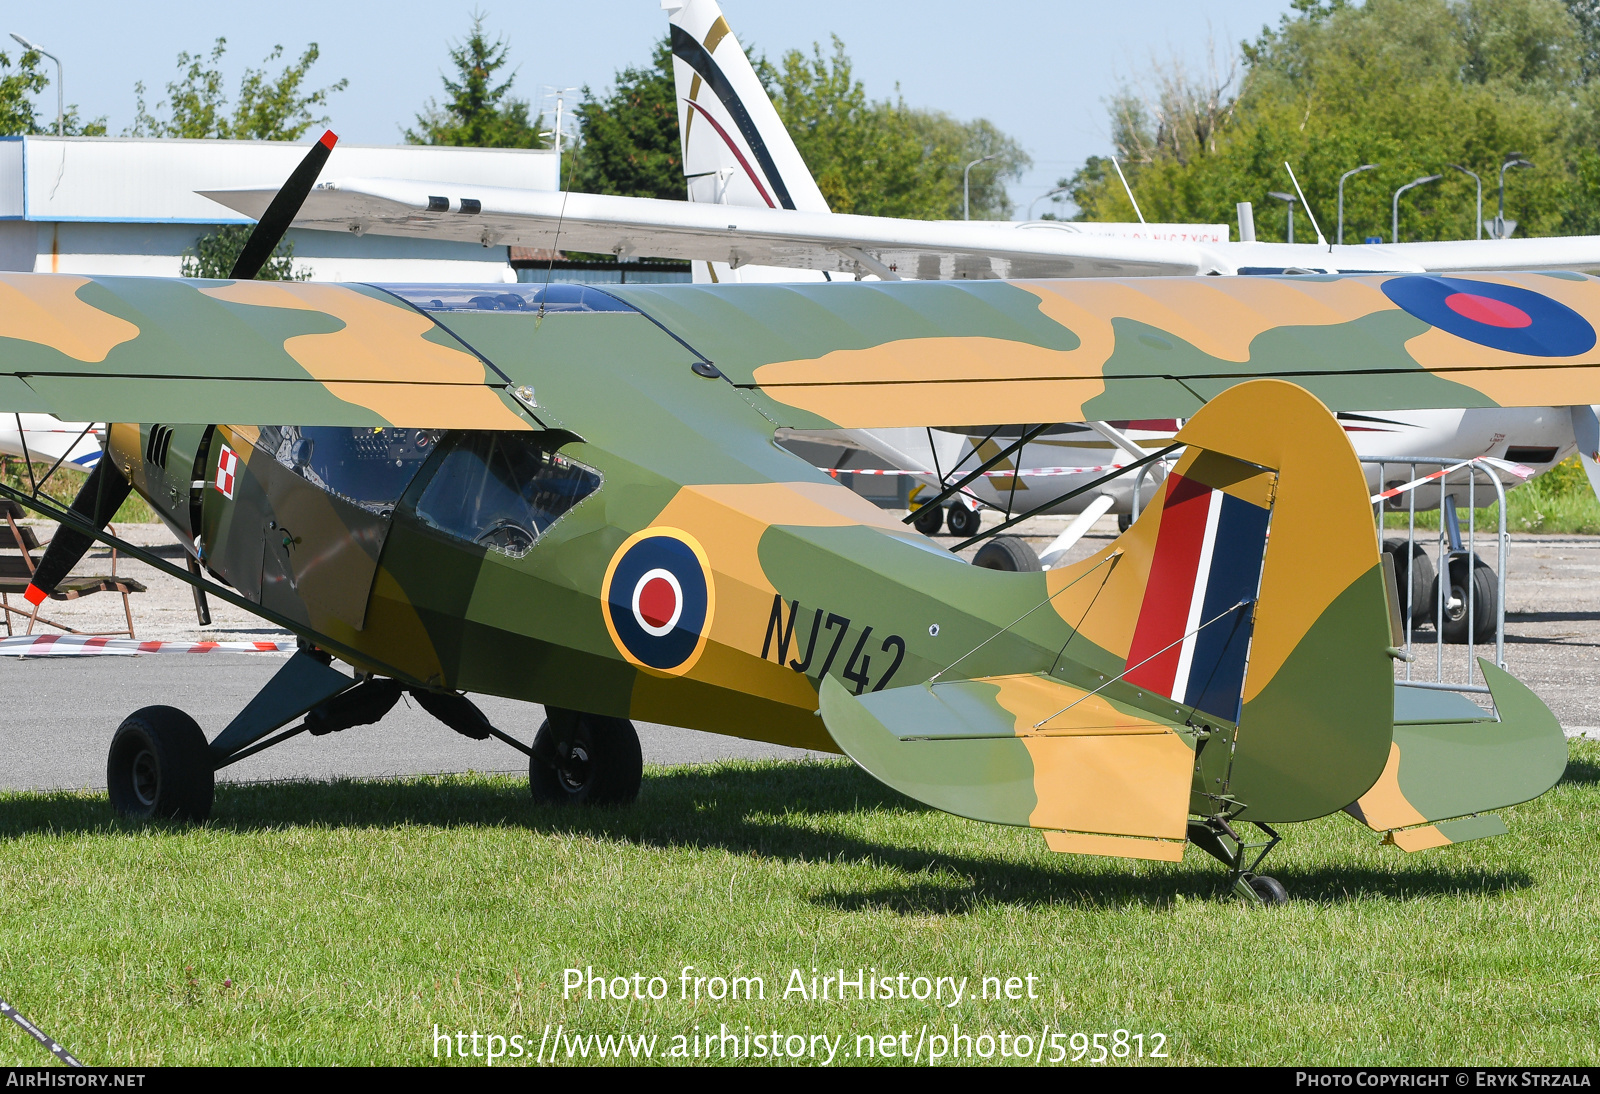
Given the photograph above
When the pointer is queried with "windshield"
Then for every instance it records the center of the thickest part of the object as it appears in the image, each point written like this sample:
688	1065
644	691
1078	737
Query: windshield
368	466
503	490
506	297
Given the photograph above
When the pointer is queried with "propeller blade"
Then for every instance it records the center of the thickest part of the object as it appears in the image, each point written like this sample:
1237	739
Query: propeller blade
281	212
98	500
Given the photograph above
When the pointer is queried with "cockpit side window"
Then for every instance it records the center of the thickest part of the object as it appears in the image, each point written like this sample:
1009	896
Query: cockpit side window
503	490
369	467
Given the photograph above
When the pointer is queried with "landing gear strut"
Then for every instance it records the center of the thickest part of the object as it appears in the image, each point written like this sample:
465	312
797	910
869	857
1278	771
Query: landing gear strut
1217	837
160	765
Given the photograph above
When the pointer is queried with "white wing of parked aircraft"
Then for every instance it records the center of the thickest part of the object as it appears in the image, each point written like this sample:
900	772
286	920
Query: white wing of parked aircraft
847	244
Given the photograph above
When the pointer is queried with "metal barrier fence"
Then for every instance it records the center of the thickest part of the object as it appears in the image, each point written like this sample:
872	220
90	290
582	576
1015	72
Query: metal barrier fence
1455	600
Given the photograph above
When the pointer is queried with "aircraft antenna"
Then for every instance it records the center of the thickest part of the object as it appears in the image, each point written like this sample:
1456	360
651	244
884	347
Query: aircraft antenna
1128	188
1321	242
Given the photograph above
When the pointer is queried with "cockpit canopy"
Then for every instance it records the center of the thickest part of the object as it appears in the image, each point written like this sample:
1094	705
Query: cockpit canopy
501	491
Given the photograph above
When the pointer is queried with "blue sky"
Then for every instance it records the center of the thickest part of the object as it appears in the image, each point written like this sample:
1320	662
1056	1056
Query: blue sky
1039	70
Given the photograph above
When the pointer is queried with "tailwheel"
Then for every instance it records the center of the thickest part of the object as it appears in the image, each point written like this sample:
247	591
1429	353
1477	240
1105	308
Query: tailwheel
585	759
1269	890
159	767
1217	837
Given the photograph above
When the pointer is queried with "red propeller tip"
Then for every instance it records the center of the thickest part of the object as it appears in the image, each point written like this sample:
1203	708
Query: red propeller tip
329	139
34	595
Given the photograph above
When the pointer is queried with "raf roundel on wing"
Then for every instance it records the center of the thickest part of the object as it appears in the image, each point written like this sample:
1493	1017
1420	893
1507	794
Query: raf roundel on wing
1503	317
657	599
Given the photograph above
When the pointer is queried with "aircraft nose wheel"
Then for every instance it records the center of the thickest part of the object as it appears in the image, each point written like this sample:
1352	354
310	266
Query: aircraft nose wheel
585	759
963	521
159	767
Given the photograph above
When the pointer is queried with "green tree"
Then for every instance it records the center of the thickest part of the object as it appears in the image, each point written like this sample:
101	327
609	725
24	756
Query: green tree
1413	85
268	108
886	158
18	114
214	254
478	113
628	138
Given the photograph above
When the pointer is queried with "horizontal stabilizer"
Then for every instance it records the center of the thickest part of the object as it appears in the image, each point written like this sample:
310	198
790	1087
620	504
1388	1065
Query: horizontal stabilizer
1462	762
1024	750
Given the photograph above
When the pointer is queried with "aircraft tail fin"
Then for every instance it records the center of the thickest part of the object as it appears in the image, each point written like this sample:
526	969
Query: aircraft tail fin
736	150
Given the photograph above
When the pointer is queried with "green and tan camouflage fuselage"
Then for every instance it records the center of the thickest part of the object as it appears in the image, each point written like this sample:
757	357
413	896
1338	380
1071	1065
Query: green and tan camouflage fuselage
995	695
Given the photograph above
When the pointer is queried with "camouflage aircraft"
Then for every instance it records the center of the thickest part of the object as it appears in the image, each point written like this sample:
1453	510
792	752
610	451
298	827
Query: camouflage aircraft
573	497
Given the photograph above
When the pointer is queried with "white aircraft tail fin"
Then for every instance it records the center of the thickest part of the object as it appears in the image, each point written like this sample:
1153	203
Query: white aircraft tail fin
736	150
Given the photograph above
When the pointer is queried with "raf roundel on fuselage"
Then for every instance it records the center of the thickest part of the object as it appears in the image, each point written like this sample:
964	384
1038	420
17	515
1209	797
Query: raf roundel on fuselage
657	600
1503	317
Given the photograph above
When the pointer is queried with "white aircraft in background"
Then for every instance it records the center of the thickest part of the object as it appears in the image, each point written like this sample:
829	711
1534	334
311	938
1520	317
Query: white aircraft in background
43	439
756	214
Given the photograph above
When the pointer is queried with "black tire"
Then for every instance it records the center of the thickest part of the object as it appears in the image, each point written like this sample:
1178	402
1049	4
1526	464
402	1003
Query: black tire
590	760
930	520
1485	603
1416	567
1124	521
963	522
1007	553
159	767
1269	889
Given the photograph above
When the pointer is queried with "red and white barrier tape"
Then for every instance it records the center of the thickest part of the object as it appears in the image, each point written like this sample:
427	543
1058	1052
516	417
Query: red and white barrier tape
1026	472
1519	470
79	645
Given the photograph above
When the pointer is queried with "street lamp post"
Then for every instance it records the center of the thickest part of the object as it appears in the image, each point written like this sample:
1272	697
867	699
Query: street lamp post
1049	193
1479	218
1288	199
1394	230
1347	174
966	184
1513	159
61	112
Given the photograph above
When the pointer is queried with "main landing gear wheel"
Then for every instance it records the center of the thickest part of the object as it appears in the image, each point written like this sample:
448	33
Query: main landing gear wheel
1007	553
585	759
1269	889
160	768
1413	567
1485	604
963	522
930	520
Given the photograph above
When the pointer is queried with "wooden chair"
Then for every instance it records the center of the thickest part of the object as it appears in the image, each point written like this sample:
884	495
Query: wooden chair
17	546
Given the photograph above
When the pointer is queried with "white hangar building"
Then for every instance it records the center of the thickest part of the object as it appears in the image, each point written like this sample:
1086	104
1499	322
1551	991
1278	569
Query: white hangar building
125	205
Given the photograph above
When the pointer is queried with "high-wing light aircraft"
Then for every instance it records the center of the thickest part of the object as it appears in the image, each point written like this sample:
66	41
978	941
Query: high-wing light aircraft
573	497
755	214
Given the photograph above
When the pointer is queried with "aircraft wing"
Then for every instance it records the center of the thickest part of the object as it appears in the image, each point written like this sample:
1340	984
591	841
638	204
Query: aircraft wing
144	349
890	247
990	353
842	243
808	356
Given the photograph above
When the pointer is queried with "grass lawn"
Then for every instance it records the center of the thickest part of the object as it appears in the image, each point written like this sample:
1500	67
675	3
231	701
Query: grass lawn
338	923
